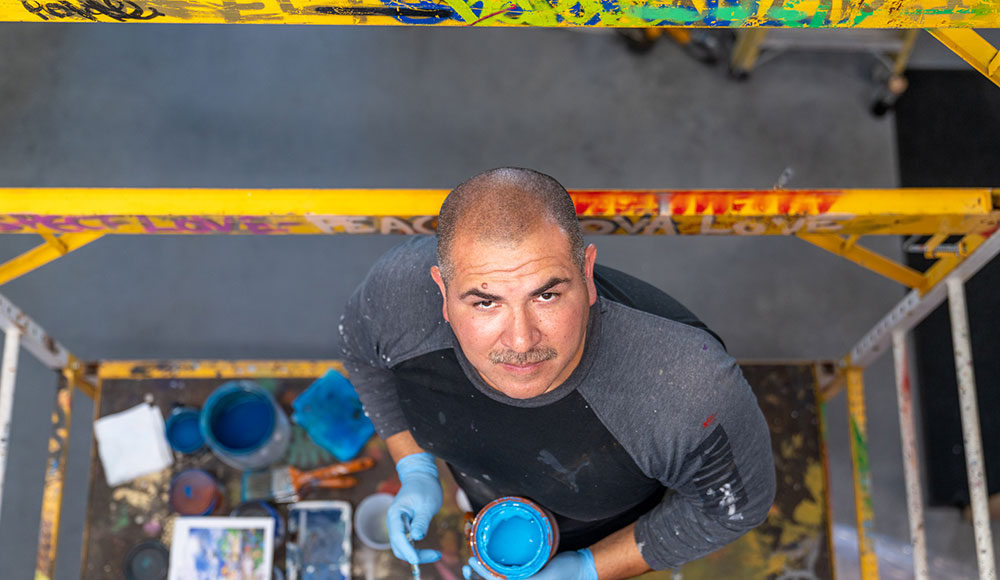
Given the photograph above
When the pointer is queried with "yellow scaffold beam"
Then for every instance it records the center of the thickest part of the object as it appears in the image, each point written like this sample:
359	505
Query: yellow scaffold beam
566	13
414	211
212	369
973	48
53	248
848	249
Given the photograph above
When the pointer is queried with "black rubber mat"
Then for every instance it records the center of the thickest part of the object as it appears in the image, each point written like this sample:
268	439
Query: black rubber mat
948	135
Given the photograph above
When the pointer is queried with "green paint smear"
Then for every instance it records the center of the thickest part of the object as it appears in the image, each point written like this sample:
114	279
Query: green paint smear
560	13
860	450
732	13
675	14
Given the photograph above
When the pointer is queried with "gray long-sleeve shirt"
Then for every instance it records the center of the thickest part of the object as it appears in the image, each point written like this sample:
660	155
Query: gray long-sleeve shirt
655	425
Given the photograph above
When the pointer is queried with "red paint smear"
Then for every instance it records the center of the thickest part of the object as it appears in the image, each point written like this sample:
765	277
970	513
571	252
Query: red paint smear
497	13
730	201
709	421
615	202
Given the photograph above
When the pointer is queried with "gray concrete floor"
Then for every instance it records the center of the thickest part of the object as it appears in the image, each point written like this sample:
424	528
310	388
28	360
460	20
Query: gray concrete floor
268	106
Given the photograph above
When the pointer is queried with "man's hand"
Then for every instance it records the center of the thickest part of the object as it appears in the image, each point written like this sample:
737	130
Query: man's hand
418	500
578	565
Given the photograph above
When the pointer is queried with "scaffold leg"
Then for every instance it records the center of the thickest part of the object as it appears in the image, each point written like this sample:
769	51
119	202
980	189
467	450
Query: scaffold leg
8	374
971	436
911	466
55	477
862	472
973	48
52	249
745	51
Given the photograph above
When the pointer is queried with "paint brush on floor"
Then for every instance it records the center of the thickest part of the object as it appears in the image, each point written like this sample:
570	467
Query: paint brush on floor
283	484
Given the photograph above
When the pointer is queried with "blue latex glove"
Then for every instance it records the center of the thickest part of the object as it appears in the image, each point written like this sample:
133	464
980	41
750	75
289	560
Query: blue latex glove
578	565
418	500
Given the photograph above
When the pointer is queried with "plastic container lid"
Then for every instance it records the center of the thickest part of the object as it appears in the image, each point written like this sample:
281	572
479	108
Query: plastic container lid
147	561
194	493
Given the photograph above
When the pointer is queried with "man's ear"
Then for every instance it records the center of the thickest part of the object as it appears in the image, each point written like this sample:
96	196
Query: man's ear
436	274
589	257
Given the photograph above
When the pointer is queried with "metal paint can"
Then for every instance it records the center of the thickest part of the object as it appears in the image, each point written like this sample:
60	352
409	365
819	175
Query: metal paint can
147	561
194	492
183	429
244	426
513	537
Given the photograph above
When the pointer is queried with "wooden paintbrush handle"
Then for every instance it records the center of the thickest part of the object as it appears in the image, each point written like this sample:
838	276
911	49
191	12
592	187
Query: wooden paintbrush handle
333	483
353	466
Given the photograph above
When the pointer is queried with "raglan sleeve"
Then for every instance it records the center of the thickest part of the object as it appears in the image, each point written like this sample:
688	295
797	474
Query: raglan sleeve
362	344
715	459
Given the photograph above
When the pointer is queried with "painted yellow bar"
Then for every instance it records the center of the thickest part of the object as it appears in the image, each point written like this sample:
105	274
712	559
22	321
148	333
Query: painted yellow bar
973	48
564	13
74	374
684	212
55	477
867	259
862	472
210	369
945	264
45	253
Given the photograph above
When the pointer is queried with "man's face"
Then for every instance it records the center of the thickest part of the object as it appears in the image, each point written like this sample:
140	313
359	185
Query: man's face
520	312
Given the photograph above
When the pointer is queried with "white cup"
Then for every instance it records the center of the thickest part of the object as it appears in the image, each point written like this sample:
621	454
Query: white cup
369	521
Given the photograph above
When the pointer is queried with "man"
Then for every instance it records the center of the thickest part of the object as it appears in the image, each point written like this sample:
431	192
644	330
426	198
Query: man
505	351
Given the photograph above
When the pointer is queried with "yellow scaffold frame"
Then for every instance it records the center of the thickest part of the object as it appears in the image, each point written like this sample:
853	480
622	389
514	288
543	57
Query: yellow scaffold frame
958	228
67	219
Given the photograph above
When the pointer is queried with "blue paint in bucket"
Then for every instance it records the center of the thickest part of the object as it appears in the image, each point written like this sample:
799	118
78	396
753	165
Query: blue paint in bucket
244	426
513	537
244	422
183	430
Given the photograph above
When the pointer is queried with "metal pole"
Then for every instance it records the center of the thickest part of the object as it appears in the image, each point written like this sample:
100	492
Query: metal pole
8	372
971	437
862	473
911	466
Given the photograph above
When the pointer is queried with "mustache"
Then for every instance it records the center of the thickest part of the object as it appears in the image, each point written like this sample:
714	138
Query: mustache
529	357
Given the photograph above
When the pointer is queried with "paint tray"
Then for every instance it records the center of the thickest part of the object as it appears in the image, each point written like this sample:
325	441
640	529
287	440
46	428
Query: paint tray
330	412
319	546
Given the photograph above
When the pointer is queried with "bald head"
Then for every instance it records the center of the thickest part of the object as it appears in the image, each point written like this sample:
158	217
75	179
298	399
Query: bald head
503	206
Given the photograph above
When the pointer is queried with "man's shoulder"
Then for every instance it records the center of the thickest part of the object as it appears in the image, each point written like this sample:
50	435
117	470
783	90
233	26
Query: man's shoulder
637	333
407	262
399	304
646	360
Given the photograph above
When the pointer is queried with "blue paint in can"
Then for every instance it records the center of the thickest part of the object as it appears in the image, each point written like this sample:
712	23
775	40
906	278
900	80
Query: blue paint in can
515	540
513	537
183	430
244	426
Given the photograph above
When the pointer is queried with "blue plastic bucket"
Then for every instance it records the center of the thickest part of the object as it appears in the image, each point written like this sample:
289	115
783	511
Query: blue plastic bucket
244	426
513	537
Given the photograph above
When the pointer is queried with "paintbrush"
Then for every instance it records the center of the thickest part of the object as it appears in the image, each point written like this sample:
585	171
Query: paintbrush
341	482
285	482
414	568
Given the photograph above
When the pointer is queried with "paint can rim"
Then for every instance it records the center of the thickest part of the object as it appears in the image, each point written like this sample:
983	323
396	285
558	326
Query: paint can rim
216	497
550	534
229	389
139	548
